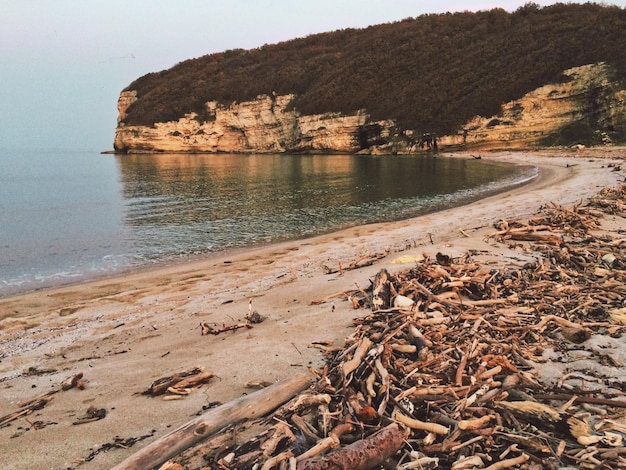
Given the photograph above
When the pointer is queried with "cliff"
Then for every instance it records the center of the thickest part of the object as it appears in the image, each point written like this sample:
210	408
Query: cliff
587	106
264	125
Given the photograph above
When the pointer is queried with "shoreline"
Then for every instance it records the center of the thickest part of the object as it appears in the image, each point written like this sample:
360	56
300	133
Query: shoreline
235	252
138	273
126	331
128	261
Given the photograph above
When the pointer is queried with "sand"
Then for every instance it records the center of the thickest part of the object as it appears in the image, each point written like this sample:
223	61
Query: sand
125	332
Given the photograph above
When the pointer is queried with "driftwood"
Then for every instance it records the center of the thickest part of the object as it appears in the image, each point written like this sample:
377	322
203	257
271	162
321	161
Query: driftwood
40	401
531	234
448	351
251	406
34	405
209	330
361	455
365	260
180	383
344	294
92	414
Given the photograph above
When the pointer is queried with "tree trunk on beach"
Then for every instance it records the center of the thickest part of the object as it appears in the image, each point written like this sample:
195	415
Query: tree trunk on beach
247	407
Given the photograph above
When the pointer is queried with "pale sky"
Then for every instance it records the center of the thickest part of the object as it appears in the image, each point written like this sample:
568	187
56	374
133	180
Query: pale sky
63	63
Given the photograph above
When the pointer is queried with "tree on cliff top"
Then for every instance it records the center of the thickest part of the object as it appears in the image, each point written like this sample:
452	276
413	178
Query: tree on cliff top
433	72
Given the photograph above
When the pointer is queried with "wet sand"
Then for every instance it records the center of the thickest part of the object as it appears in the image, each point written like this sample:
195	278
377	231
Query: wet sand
125	332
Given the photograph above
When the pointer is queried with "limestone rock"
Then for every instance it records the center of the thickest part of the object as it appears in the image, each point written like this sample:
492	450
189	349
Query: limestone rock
125	100
589	93
264	125
269	124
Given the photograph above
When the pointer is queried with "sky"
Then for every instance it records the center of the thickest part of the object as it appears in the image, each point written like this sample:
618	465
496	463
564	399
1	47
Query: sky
63	63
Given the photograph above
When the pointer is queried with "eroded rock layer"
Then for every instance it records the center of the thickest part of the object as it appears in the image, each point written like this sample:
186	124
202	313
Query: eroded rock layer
588	97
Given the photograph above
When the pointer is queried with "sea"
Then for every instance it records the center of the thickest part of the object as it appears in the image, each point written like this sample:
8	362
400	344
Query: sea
70	216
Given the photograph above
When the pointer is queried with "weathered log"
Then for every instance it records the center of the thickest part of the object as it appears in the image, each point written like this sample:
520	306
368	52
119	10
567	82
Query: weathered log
193	381
160	386
362	455
381	290
250	406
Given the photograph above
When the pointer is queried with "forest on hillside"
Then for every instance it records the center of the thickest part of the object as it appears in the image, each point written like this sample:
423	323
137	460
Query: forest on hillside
430	73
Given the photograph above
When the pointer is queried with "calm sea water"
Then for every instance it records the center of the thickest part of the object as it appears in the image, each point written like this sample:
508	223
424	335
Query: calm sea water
67	216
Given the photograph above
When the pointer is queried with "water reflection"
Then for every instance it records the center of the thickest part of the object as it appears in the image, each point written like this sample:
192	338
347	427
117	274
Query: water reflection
183	204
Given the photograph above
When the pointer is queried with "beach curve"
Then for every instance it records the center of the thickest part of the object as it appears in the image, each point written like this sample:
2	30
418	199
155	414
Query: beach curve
124	332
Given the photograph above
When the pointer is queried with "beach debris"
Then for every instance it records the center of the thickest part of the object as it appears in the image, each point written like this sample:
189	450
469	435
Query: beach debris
117	443
257	384
409	259
33	370
92	414
253	316
211	330
73	381
363	454
458	364
177	386
344	294
28	408
362	261
248	407
31	405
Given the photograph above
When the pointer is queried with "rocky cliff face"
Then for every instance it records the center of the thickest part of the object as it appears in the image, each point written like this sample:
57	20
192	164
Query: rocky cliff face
265	125
269	125
588	102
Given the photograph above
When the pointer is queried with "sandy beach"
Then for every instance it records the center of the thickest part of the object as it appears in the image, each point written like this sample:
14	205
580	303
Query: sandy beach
123	333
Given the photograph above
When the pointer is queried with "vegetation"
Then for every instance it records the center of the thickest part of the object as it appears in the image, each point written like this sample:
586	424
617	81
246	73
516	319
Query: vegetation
430	73
582	132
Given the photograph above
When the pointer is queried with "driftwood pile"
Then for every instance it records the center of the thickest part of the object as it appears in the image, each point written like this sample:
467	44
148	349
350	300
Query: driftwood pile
443	373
